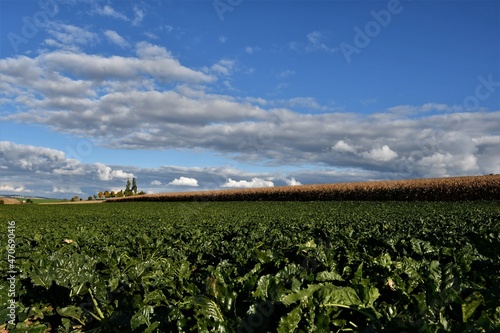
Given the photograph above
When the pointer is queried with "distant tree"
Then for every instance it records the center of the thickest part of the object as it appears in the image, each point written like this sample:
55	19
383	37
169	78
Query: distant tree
95	197
29	201
142	193
100	195
90	198
81	199
127	188
119	194
112	194
134	186
106	194
75	198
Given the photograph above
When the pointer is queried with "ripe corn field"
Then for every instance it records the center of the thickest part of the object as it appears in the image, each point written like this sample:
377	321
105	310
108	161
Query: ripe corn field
437	189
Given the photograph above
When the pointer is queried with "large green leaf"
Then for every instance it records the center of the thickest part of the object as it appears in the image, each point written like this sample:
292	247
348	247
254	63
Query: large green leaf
290	322
72	312
208	308
142	317
470	305
300	295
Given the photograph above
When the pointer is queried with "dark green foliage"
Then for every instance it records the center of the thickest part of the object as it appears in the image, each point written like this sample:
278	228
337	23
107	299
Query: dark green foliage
256	267
134	186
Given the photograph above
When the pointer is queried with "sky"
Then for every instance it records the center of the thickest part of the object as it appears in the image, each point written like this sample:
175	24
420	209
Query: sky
217	94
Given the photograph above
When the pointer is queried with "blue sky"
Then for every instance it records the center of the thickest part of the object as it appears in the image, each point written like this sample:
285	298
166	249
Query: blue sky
194	95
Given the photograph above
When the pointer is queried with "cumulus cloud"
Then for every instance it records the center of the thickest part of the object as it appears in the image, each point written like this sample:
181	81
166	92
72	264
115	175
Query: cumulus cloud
10	188
254	183
115	38
184	181
342	146
155	182
31	158
382	154
105	173
292	182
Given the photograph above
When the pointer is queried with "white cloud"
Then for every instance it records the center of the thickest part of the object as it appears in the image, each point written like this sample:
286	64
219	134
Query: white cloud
383	154
222	39
292	182
139	16
24	157
184	181
305	102
252	49
254	183
105	173
152	60
425	108
9	188
342	146
68	36
168	28
107	10
150	35
316	41
67	190
115	38
156	182
224	67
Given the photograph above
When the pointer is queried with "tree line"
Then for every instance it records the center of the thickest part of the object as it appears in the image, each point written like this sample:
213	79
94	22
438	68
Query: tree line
130	189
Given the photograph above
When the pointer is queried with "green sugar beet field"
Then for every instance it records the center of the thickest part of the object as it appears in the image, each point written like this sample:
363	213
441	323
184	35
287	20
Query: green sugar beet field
252	267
